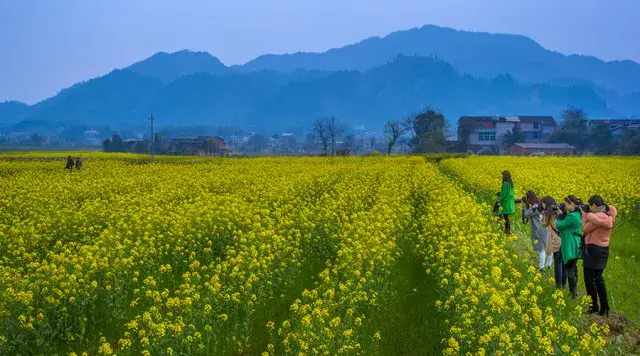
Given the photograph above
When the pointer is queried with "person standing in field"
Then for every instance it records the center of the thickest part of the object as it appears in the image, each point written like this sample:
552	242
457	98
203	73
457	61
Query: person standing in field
553	241
597	225
570	227
533	211
506	200
69	163
78	163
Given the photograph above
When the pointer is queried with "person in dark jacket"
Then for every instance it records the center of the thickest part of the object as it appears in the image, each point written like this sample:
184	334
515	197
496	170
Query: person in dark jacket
78	163
70	163
506	201
539	233
570	228
597	224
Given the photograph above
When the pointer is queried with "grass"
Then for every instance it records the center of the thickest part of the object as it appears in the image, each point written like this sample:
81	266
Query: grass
409	323
621	274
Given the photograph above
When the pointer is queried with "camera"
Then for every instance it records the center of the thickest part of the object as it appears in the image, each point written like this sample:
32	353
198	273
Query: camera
522	200
563	208
558	207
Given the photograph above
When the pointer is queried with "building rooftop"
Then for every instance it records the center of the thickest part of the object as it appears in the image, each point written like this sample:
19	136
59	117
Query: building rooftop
194	138
534	145
546	120
615	119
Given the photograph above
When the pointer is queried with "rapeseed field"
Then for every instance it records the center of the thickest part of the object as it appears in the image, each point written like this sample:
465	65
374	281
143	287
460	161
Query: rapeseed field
184	256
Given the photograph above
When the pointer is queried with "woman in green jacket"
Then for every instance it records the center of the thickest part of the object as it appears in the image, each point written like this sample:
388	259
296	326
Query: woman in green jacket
570	228
507	200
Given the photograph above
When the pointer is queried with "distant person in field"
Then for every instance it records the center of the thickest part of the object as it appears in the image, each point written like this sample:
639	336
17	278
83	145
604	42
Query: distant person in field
570	227
78	163
553	240
506	201
70	163
597	224
539	233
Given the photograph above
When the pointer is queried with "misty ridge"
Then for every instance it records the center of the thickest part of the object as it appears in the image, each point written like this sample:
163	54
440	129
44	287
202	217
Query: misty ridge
367	83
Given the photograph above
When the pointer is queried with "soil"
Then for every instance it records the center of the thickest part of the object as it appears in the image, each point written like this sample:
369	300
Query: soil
622	330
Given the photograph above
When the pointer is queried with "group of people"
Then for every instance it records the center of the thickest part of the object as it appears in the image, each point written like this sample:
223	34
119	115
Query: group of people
563	233
71	163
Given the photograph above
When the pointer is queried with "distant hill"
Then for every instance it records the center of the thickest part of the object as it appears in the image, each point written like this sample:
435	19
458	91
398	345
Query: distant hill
410	83
277	100
12	111
169	67
476	53
120	96
367	83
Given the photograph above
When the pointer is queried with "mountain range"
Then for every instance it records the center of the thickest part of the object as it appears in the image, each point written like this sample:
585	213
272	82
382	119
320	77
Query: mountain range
367	83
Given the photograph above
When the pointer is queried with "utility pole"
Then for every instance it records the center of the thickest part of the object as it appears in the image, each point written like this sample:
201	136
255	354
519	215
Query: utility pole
152	141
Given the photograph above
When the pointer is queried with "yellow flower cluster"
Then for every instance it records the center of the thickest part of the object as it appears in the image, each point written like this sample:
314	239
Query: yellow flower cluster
614	178
203	257
328	319
144	251
496	305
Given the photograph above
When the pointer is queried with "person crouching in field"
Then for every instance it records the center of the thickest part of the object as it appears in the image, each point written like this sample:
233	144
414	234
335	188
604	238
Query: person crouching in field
78	163
553	240
533	211
570	227
506	201
69	165
597	224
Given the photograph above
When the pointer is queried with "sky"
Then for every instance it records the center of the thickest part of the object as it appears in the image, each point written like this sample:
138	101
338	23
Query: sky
46	46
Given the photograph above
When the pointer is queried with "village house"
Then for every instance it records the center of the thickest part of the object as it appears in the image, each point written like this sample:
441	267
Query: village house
91	138
617	125
198	146
138	145
487	132
541	148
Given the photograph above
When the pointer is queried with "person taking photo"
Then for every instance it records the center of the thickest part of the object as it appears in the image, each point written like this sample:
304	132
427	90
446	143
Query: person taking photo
534	211
553	240
569	225
597	225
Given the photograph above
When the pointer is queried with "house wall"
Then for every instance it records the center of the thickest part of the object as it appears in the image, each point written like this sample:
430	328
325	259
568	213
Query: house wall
548	130
473	138
532	134
502	128
529	127
516	150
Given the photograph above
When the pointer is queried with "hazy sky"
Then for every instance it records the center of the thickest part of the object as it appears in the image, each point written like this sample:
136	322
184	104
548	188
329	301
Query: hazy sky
49	45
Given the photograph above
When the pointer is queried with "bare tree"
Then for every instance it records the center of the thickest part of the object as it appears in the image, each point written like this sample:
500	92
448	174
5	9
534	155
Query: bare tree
393	129
407	126
335	129
403	142
321	132
349	141
372	142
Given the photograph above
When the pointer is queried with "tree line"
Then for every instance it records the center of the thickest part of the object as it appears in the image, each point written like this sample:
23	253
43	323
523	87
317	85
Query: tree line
426	132
116	144
423	132
598	138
